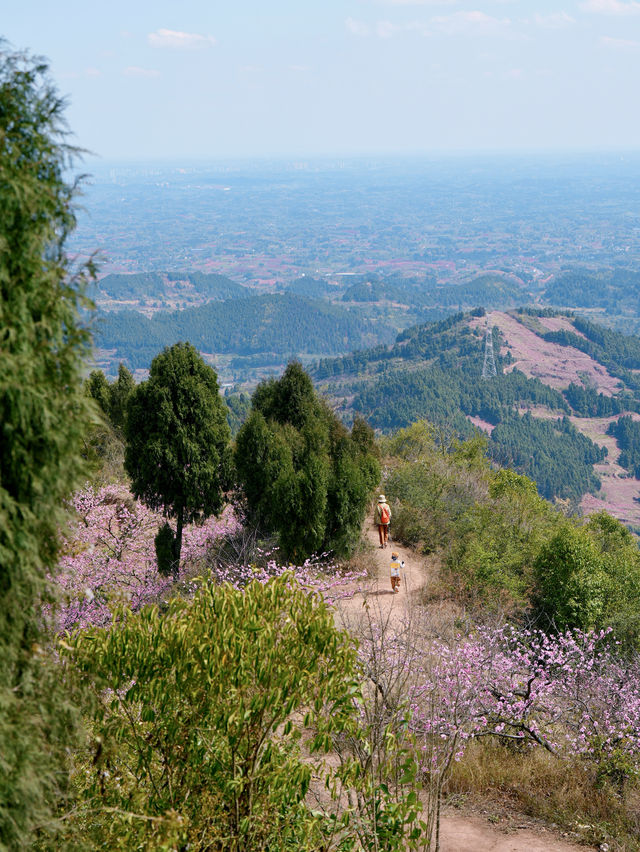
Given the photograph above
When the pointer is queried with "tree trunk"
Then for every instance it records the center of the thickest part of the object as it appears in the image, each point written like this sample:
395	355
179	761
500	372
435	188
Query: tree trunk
177	544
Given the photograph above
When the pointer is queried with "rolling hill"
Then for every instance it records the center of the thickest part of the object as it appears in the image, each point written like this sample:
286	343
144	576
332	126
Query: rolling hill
282	325
562	381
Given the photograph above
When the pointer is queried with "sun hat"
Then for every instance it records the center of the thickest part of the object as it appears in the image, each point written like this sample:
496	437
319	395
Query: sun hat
394	555
382	499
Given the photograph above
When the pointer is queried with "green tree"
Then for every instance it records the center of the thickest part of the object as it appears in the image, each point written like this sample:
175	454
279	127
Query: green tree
178	454
199	713
303	475
621	563
571	581
43	414
589	576
113	397
98	388
491	554
103	446
239	405
119	393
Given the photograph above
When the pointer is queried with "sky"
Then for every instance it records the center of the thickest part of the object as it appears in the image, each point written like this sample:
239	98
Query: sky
209	79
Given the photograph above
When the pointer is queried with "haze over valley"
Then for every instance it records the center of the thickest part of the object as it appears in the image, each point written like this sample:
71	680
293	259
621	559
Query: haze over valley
257	263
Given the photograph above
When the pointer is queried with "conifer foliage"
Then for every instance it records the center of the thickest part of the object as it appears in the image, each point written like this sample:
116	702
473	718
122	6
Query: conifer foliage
42	418
178	454
304	476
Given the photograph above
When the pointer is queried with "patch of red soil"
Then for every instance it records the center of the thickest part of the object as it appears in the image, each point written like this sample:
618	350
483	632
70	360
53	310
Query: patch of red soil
481	424
553	364
560	324
620	493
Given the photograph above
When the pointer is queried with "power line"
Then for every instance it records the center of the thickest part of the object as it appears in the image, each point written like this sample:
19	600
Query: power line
489	367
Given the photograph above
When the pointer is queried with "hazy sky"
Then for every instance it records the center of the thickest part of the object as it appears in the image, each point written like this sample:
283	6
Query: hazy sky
218	78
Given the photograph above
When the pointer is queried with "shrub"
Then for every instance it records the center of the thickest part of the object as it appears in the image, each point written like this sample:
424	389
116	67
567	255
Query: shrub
197	719
589	576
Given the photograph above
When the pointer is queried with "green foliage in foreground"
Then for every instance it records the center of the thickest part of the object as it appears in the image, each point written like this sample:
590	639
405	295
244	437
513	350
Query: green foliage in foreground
505	549
303	475
208	723
43	415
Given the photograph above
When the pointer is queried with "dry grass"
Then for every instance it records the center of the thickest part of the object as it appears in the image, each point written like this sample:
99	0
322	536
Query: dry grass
564	794
509	783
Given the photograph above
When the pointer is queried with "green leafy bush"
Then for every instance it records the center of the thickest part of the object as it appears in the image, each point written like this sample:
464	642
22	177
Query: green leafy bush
433	482
208	720
589	577
490	557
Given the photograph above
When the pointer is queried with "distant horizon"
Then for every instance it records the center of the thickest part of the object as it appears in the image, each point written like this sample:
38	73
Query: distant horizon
340	78
373	157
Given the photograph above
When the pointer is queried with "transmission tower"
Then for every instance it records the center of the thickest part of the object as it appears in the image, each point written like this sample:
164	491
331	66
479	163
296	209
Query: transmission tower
489	366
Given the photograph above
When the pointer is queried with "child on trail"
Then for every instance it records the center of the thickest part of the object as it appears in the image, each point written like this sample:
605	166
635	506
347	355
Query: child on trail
395	572
383	516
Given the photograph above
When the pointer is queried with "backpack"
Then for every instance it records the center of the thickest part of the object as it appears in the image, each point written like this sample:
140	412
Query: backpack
384	515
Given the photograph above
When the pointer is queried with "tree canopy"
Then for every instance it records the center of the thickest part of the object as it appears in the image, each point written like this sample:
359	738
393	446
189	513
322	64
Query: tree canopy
303	474
178	454
43	414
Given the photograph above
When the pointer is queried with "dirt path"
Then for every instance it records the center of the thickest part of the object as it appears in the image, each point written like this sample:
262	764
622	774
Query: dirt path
378	586
473	834
458	833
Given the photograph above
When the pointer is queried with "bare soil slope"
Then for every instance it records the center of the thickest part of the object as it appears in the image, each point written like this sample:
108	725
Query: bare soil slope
555	365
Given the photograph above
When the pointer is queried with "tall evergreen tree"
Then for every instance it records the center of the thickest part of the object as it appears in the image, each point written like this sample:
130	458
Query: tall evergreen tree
120	391
303	475
98	388
42	417
178	454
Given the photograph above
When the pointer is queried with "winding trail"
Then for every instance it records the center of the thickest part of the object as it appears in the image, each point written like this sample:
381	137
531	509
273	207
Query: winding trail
458	832
378	586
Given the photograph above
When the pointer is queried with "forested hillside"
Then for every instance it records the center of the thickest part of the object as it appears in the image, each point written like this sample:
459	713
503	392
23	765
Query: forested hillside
616	290
282	324
158	285
435	371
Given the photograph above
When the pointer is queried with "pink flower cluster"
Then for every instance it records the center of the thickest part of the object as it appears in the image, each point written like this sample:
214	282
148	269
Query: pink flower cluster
569	693
109	557
316	574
